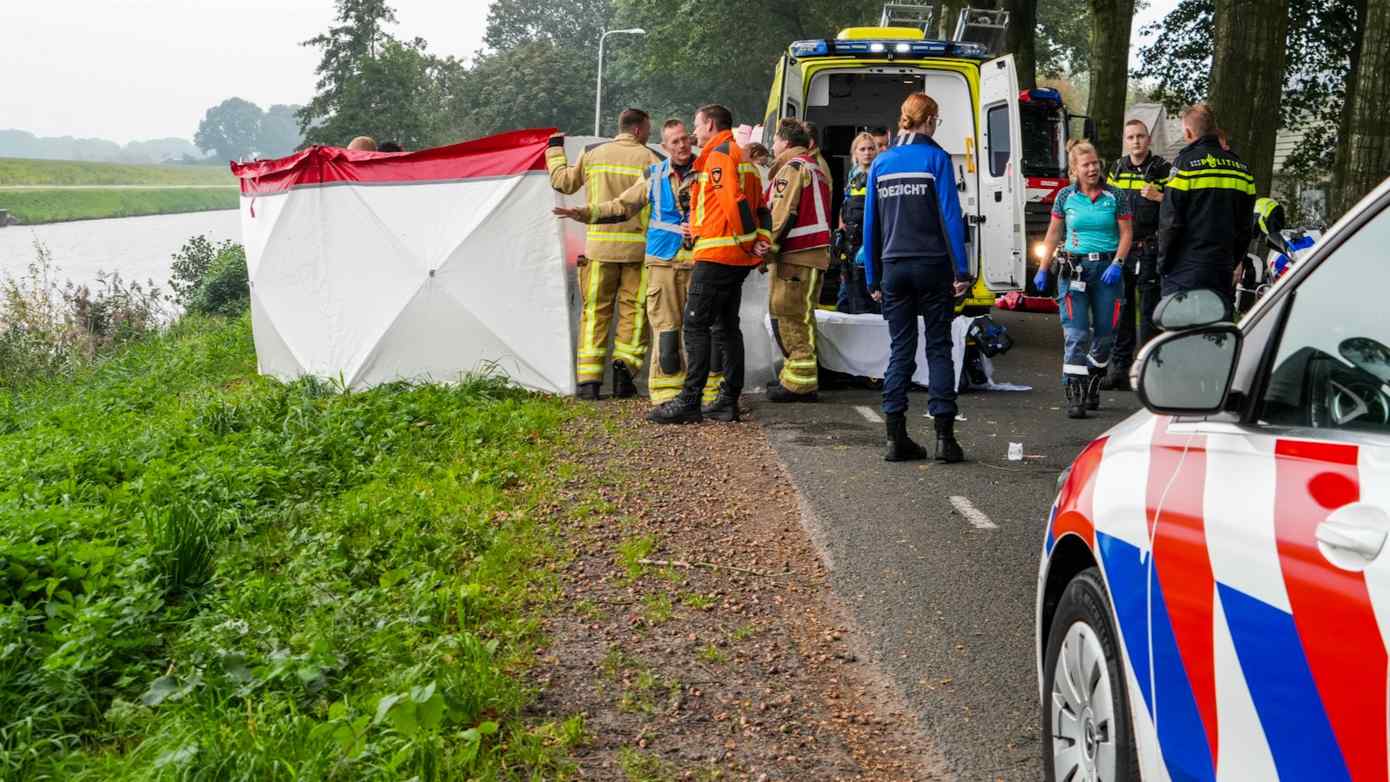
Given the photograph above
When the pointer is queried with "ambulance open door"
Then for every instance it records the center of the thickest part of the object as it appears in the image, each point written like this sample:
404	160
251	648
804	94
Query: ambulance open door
1000	232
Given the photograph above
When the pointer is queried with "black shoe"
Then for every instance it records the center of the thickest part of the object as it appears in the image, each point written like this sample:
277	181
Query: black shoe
1117	377
776	392
623	387
1076	397
900	446
947	449
587	391
676	411
724	407
1093	389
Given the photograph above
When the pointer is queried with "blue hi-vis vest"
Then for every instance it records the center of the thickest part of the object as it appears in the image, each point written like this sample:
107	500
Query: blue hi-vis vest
664	235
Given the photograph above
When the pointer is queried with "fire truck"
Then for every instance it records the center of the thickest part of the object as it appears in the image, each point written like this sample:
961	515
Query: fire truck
1008	147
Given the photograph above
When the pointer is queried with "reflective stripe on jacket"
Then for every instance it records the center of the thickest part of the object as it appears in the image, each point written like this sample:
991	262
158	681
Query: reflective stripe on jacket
727	213
799	198
1204	223
1130	180
606	170
912	210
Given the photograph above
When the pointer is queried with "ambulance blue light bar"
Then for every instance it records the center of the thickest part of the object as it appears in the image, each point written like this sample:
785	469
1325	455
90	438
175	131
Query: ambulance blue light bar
889	49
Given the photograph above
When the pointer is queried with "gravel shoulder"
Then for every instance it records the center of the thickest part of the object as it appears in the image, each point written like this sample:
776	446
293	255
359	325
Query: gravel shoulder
694	626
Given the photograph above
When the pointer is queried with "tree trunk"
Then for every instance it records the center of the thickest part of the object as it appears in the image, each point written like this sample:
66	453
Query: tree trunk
1110	21
1022	40
1347	186
1247	79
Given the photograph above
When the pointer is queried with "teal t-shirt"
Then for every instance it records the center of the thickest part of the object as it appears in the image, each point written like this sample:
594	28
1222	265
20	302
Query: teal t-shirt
1092	225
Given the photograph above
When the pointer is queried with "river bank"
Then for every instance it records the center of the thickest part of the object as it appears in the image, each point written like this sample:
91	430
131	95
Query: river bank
39	206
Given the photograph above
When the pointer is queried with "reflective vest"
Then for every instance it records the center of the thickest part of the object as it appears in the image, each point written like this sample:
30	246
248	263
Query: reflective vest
728	217
664	237
1264	210
853	211
812	227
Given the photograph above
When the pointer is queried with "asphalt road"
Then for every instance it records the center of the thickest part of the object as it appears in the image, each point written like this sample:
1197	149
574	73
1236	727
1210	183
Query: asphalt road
945	593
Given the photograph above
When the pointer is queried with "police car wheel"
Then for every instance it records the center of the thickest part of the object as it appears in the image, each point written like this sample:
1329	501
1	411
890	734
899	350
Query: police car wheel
1087	734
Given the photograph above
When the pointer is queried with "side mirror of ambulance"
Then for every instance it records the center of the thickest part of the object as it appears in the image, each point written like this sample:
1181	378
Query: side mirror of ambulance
1188	372
1190	309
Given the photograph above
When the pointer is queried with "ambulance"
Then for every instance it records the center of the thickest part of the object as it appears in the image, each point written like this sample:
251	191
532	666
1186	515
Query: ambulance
859	79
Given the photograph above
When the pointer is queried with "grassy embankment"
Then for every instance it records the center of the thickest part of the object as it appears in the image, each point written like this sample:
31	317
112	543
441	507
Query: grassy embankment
209	574
60	190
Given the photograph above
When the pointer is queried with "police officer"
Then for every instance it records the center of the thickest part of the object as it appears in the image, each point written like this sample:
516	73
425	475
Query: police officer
1139	177
915	264
849	239
1204	223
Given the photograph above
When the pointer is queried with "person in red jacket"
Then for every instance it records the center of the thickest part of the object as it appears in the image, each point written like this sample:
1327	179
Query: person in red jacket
731	228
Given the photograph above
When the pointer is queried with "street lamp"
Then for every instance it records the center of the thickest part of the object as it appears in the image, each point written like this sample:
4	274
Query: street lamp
598	91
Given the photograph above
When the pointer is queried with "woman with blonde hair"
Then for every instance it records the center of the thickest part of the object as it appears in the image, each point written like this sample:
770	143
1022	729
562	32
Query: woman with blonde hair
1095	221
854	294
915	265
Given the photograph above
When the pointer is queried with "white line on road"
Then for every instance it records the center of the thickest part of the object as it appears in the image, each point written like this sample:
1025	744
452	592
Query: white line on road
868	413
972	514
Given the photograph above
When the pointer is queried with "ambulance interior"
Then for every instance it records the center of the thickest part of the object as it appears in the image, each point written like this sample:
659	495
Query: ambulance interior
843	102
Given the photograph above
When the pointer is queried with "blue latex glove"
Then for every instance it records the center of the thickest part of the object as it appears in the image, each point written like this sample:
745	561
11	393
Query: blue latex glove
1112	274
1040	280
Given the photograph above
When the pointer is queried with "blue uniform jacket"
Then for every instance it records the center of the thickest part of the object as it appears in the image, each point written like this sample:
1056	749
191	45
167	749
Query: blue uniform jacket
912	209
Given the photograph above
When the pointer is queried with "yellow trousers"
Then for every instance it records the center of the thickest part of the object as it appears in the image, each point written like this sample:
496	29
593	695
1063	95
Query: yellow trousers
792	296
666	292
601	283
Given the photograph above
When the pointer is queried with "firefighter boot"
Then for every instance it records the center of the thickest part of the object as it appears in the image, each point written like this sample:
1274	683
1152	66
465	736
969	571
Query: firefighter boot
1093	388
776	392
900	446
723	408
587	391
677	411
1116	377
1076	397
947	449
623	387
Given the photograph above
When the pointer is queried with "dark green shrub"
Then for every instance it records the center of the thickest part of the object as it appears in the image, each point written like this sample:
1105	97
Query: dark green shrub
209	278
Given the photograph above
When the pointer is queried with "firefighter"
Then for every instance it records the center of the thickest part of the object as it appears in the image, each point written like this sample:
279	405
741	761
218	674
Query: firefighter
731	230
1139	177
813	133
613	251
666	188
1204	223
915	265
800	203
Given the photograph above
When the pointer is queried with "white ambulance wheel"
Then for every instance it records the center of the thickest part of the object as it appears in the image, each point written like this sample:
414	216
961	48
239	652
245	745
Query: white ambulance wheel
1087	735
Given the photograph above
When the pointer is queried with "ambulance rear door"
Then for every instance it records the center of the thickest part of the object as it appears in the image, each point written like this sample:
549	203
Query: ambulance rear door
1001	222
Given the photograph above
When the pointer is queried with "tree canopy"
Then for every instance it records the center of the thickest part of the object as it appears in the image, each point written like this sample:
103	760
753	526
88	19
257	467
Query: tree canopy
235	129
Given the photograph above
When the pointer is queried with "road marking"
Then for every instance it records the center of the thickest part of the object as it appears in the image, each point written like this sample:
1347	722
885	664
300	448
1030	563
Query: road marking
868	413
972	514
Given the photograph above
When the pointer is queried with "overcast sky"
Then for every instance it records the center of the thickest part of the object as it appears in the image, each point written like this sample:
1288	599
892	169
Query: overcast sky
141	69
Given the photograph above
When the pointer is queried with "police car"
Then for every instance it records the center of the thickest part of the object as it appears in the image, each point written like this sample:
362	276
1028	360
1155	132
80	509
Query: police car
1214	594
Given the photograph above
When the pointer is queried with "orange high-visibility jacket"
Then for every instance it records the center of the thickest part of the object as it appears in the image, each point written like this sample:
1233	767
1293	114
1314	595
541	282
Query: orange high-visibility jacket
727	214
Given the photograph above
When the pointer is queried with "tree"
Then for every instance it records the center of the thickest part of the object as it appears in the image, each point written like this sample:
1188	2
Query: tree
1110	21
517	89
1060	37
1367	138
279	132
569	23
230	129
1022	40
357	37
1247	76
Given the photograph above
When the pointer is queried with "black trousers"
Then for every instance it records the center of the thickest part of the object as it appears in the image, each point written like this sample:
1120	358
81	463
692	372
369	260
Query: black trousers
912	288
711	328
1137	313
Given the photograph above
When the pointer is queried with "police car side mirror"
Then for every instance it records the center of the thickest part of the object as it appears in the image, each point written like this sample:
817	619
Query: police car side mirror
1190	309
1188	372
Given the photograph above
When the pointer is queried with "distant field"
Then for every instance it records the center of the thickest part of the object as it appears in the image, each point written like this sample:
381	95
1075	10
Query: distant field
19	171
59	205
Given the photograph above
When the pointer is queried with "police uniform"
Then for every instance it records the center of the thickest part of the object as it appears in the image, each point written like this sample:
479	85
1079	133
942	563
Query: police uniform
854	294
914	250
1204	223
614	251
1141	272
665	193
799	196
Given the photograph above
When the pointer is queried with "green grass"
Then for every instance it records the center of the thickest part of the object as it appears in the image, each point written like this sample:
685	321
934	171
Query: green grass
22	171
57	205
207	574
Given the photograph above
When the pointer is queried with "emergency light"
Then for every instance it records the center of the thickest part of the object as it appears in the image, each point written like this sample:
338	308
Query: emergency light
867	48
1040	95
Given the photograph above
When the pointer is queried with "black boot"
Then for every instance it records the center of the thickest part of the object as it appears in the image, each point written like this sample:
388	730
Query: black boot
676	411
900	446
1117	376
623	387
587	391
723	408
947	449
776	392
1093	388
1076	397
